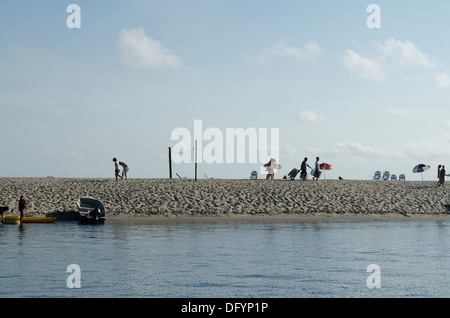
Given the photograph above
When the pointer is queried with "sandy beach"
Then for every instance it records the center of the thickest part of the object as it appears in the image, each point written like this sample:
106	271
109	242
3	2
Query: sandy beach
228	198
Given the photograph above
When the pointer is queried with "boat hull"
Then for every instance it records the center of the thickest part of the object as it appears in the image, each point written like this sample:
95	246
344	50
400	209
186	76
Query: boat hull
91	211
12	219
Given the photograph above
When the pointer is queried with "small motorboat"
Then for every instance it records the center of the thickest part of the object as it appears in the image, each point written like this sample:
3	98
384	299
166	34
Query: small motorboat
91	210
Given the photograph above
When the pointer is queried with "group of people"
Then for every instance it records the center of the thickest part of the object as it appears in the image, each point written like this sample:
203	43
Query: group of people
117	170
441	175
272	164
304	173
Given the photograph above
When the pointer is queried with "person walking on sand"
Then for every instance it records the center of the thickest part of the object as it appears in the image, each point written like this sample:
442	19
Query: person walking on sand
439	175
124	169
116	168
442	176
23	204
303	172
316	170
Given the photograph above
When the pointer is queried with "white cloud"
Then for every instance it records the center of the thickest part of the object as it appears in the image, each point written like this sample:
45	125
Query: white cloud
404	54
390	55
140	51
282	50
309	116
442	80
353	149
290	150
421	150
358	66
404	113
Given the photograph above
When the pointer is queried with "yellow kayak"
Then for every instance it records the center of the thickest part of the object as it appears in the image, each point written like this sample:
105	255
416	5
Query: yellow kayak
12	219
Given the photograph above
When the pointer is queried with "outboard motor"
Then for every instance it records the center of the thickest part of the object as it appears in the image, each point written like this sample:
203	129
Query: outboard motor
94	214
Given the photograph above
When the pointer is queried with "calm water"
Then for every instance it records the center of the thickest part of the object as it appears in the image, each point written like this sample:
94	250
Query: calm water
227	258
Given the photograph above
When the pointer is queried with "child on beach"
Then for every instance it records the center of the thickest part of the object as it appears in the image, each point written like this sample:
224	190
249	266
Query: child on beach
124	169
116	168
270	166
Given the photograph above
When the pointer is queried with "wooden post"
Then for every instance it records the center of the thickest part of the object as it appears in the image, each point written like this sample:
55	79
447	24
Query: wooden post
195	159
170	163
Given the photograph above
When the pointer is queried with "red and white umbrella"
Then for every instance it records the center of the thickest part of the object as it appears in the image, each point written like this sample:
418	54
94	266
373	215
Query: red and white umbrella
325	166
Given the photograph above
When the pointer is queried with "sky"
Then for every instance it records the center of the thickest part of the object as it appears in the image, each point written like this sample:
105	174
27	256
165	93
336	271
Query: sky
131	73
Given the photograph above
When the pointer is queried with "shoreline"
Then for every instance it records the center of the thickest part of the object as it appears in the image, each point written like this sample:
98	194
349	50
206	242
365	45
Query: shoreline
294	217
230	199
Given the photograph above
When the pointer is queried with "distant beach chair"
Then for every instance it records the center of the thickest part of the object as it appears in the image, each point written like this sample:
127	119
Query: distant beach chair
254	175
386	175
377	175
393	177
179	176
207	176
401	177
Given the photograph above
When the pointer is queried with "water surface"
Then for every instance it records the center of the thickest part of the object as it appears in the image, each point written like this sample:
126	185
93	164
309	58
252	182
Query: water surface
227	258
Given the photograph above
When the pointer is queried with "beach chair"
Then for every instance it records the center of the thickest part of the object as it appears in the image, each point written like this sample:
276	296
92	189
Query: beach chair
377	175
393	177
401	177
254	175
386	175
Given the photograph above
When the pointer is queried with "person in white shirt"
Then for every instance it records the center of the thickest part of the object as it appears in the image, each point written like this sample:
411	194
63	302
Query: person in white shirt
317	170
116	168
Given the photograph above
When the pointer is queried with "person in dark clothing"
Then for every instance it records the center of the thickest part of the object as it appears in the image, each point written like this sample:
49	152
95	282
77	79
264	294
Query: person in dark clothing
439	175
442	176
303	172
2	210
23	204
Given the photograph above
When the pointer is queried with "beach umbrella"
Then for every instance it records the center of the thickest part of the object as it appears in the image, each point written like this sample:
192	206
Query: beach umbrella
421	168
325	166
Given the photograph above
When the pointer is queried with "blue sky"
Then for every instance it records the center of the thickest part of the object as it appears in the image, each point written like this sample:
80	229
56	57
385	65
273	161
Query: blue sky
362	99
